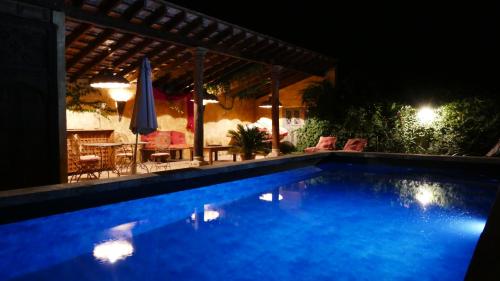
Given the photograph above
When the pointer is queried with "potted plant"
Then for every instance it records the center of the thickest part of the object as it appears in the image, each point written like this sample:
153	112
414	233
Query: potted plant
248	141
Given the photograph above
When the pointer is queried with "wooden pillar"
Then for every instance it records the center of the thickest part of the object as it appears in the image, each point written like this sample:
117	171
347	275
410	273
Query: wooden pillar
59	19
275	97
199	56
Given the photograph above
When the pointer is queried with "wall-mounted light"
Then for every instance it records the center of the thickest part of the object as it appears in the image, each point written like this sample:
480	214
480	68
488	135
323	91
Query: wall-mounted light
107	80
120	96
426	115
269	103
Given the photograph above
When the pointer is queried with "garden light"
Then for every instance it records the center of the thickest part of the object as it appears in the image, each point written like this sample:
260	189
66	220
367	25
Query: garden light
426	115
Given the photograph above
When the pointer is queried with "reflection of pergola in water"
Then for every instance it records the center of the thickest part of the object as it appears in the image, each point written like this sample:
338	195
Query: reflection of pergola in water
178	42
101	33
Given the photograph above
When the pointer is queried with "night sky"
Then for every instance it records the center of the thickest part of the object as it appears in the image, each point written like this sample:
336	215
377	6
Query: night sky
414	49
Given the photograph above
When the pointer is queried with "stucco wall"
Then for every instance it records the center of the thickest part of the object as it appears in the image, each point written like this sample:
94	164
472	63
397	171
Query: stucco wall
172	115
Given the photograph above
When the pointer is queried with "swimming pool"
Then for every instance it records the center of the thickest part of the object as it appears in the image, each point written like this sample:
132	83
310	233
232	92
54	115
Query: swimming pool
326	222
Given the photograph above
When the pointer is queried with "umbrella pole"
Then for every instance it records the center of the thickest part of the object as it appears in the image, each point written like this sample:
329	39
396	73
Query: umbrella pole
134	162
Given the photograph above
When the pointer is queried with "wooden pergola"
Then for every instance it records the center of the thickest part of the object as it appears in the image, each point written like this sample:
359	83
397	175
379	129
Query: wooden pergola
186	48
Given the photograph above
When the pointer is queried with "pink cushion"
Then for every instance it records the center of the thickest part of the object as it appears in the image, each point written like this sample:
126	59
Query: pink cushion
326	143
355	145
177	138
311	149
90	158
159	154
164	139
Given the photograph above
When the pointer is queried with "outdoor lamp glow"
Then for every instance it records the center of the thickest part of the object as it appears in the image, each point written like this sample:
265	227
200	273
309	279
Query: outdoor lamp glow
426	115
107	80
120	96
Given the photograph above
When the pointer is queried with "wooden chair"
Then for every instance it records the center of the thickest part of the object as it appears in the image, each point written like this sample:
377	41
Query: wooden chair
161	156
124	154
88	164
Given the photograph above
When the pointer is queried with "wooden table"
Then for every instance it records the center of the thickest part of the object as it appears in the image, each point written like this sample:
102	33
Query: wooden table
213	152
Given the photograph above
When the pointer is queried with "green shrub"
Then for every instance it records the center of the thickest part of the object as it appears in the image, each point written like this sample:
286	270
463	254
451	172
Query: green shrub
286	147
309	134
462	127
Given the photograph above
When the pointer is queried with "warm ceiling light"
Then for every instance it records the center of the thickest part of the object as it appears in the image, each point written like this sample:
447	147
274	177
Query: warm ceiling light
269	104
120	96
107	80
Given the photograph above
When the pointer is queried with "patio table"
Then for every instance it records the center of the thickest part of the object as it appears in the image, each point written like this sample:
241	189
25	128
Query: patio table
213	152
105	146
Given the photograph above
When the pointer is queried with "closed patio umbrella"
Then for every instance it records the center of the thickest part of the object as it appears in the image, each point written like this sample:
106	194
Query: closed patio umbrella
144	115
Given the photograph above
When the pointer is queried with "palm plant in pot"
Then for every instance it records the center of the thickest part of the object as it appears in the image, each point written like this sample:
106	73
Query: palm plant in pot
248	141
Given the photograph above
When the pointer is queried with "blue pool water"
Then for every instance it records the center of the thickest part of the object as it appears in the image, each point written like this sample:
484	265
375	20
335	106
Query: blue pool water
329	222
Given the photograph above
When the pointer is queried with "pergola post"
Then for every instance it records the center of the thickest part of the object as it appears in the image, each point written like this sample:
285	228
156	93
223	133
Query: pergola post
275	97
199	56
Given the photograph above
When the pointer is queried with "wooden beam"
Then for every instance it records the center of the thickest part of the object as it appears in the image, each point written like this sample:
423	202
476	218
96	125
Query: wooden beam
77	33
107	5
184	31
165	58
206	31
132	52
221	36
171	67
227	66
89	48
222	66
215	70
174	21
250	82
153	52
155	15
100	58
187	77
233	40
132	10
247	43
262	46
145	31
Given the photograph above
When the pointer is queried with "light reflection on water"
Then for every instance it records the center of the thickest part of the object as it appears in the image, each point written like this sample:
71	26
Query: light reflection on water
118	247
426	193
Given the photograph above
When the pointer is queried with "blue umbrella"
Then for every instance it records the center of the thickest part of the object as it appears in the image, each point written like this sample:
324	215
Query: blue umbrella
144	115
